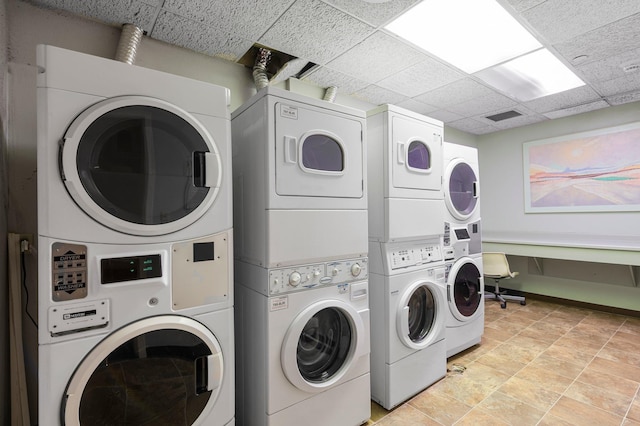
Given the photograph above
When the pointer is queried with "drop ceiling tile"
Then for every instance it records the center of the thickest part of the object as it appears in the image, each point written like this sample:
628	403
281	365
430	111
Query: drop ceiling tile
445	116
422	77
470	125
324	77
561	20
375	14
115	12
416	106
624	98
523	120
484	104
377	57
244	18
316	31
613	39
457	92
378	95
578	96
592	106
609	68
522	5
627	83
199	37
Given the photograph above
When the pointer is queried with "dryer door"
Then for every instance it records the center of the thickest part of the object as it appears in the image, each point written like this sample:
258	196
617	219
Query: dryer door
159	370
460	189
416	154
321	345
140	165
465	286
419	317
318	153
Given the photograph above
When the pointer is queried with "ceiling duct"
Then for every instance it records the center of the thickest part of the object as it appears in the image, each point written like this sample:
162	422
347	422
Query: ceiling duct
330	93
260	78
130	38
503	115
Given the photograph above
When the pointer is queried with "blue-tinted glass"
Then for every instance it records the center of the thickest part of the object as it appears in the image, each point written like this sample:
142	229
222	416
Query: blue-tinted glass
418	156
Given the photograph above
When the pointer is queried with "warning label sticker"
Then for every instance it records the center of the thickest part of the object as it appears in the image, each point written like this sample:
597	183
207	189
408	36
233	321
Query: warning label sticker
278	303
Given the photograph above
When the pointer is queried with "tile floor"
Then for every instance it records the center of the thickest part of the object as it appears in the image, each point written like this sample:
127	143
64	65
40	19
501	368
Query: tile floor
540	364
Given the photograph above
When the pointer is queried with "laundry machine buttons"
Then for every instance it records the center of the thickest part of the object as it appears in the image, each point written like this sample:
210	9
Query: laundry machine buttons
294	279
356	269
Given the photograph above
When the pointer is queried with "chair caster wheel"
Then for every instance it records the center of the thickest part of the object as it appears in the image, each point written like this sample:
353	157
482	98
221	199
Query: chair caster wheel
524	302
503	305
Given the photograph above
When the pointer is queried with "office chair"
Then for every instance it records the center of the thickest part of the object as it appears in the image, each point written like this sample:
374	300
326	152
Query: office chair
496	267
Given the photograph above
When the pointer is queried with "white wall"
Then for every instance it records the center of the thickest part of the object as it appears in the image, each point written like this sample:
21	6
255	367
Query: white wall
501	170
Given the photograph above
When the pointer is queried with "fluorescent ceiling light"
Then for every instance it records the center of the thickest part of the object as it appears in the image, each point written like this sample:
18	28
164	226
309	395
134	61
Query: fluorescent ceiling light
531	76
469	34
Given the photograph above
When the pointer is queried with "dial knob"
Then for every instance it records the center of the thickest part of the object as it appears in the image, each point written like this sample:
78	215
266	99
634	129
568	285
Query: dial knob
316	273
294	279
334	271
356	269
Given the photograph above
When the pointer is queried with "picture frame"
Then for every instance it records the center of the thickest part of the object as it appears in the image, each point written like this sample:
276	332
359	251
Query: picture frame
595	171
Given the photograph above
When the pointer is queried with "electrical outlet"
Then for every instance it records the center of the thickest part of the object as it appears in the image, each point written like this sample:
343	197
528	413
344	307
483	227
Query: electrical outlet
30	242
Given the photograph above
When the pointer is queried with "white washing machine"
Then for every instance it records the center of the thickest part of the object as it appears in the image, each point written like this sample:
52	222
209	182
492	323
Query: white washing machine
408	315
405	174
151	342
463	247
303	344
134	238
465	289
128	154
299	180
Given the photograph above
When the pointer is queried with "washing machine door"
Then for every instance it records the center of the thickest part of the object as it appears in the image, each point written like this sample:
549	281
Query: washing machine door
321	345
419	317
159	370
461	189
140	165
416	155
465	286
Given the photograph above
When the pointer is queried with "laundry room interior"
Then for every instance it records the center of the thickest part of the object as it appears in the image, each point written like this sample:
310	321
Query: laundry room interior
320	246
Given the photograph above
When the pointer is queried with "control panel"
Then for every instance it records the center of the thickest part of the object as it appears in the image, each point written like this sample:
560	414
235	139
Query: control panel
301	277
68	271
414	255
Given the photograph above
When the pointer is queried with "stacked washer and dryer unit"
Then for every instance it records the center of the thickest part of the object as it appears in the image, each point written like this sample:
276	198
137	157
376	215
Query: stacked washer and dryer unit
301	267
135	302
463	248
407	274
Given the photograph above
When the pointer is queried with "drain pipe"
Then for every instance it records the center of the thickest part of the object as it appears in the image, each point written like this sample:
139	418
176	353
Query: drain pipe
330	93
260	77
129	42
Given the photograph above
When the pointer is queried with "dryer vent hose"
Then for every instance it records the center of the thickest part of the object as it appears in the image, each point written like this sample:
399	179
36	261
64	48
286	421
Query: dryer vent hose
260	77
128	45
330	93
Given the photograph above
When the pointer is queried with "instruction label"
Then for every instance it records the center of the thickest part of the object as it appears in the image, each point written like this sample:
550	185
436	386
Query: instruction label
278	303
289	112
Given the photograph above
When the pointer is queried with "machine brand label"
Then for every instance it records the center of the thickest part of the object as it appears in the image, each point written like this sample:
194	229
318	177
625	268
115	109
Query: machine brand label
68	257
69	287
278	303
289	112
82	314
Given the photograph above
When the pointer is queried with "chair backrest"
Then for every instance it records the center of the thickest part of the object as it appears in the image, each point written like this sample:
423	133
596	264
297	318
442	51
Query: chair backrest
496	265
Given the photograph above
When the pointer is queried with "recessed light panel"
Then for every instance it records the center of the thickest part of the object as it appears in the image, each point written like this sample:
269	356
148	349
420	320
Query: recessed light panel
469	34
531	76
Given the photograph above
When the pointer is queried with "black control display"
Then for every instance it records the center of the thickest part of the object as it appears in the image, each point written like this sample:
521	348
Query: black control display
462	234
130	268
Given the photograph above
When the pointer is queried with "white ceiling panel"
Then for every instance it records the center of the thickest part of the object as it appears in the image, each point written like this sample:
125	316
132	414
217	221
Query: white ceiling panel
596	39
420	78
328	31
375	14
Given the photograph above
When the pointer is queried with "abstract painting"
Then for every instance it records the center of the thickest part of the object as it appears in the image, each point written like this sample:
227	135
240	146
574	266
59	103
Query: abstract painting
585	172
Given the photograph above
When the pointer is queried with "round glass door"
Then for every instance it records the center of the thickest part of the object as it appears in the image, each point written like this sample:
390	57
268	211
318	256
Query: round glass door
467	290
321	345
419	315
140	165
461	190
161	370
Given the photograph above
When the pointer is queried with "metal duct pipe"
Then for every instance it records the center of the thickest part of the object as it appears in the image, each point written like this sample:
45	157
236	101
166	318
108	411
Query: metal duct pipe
330	93
128	45
260	77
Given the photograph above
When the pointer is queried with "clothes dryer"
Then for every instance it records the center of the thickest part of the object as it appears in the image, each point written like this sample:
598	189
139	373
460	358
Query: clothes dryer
151	342
299	180
408	314
465	313
303	344
405	174
461	183
128	154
